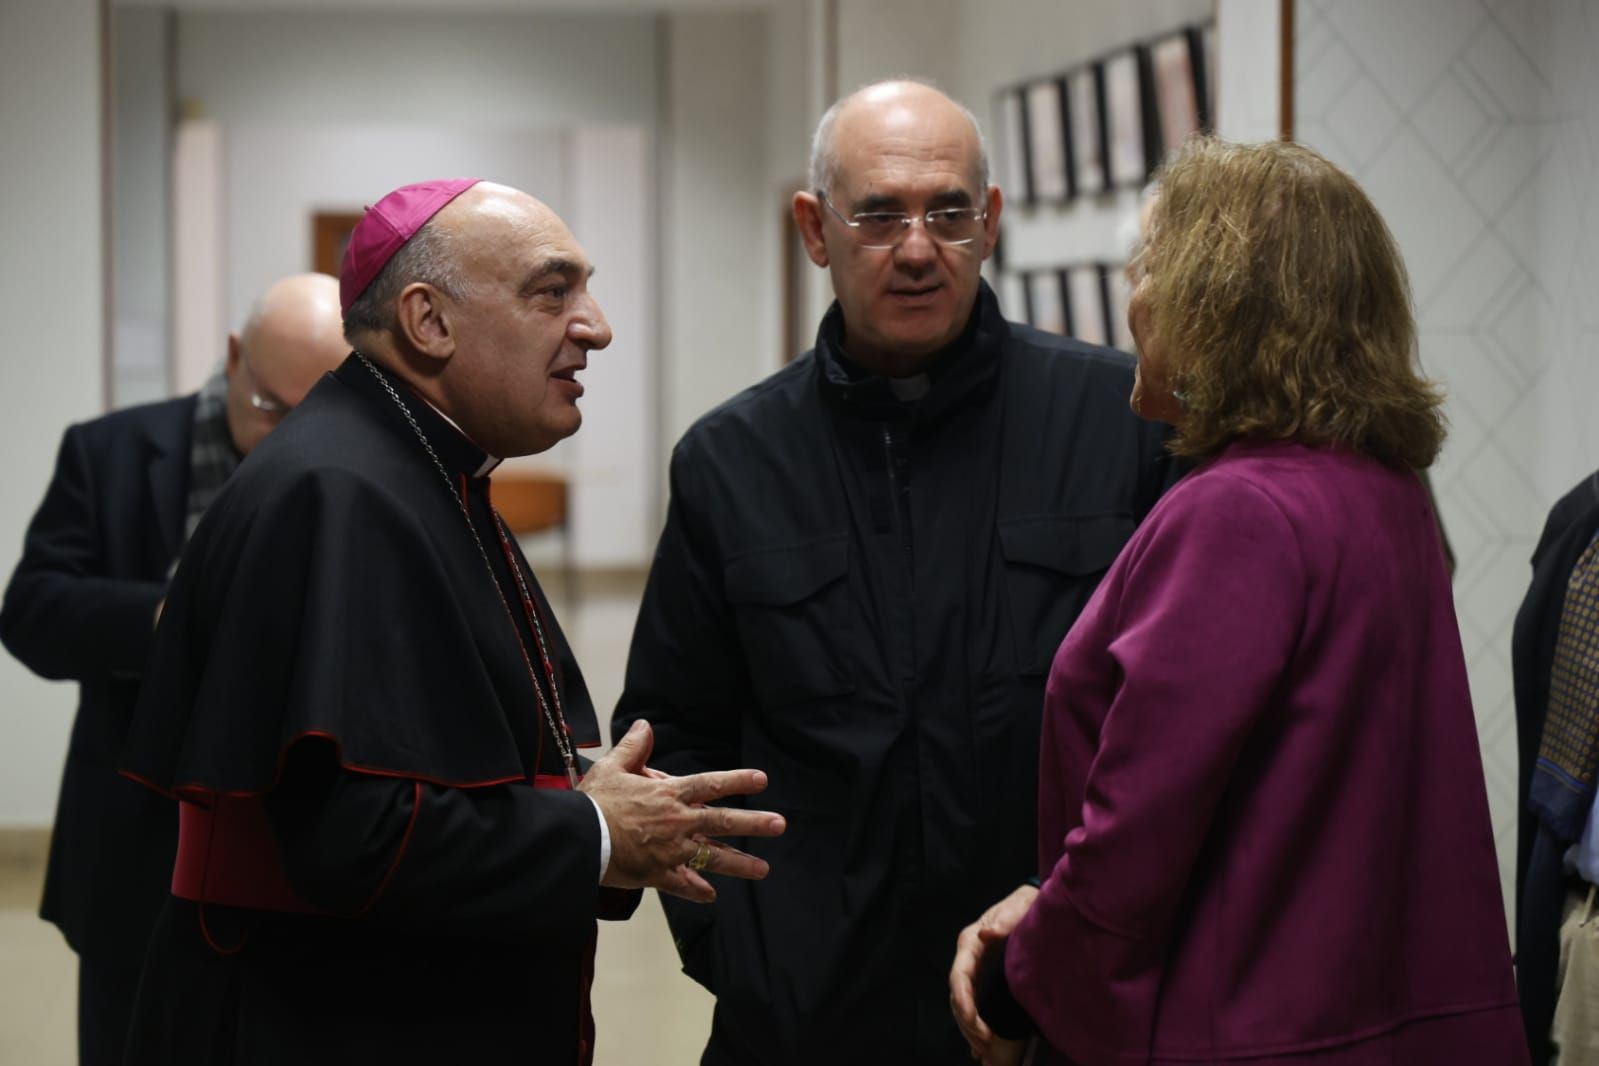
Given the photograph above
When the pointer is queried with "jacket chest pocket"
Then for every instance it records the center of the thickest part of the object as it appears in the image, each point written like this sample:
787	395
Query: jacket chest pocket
791	606
1053	563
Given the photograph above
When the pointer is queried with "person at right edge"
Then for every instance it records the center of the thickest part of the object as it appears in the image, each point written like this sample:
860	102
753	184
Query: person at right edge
1555	656
1263	827
868	560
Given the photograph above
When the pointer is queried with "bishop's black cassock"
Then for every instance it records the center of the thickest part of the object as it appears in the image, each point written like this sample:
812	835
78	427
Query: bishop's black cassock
380	858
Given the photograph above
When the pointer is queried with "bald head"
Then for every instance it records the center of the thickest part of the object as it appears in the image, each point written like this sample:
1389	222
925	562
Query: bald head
898	103
482	223
293	336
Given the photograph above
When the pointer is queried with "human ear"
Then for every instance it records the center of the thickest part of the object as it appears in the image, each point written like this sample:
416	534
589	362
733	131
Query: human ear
424	317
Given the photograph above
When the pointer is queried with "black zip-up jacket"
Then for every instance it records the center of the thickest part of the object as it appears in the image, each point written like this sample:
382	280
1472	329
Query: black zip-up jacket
861	596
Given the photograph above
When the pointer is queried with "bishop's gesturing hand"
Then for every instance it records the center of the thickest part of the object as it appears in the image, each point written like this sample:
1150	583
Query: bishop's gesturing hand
661	829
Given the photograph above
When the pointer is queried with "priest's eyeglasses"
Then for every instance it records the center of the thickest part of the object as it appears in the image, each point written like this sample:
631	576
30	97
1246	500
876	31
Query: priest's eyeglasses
885	229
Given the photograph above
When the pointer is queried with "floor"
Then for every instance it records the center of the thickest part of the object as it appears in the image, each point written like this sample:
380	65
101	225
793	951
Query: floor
646	1011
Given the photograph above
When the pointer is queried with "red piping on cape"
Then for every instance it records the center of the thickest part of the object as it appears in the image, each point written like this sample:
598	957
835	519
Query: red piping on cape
199	791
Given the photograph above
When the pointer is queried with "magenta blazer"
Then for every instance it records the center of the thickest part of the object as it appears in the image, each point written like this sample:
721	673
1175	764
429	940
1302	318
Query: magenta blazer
1263	829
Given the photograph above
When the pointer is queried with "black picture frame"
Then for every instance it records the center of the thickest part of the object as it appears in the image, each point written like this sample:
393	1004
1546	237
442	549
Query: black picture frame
1063	282
1149	112
1063	90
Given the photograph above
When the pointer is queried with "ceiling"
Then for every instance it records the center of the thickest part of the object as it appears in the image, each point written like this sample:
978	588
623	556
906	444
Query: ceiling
447	6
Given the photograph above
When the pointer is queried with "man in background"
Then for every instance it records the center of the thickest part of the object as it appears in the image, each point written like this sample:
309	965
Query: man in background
82	605
868	563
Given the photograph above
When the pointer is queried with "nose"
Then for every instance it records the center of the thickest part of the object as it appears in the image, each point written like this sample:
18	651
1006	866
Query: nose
588	327
916	248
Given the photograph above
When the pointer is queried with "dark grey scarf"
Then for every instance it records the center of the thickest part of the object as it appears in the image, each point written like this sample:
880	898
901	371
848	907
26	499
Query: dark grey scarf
212	455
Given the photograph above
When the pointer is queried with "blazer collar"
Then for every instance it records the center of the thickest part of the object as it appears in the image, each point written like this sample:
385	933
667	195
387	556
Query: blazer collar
167	442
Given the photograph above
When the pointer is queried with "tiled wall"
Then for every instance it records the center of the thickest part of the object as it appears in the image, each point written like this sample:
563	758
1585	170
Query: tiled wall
1472	124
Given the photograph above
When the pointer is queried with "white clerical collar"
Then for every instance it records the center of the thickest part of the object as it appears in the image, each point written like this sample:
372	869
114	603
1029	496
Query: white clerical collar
910	389
489	462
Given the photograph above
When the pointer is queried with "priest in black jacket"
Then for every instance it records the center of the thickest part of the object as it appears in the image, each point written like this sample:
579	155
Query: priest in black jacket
82	603
868	563
368	711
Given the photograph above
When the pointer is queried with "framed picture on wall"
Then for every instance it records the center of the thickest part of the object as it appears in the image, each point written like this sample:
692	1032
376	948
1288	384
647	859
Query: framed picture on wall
1046	128
1086	289
1177	91
1124	111
330	235
1049	310
1087	131
1013	177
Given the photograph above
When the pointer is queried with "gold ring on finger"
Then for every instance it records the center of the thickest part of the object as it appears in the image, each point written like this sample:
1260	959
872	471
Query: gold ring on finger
701	859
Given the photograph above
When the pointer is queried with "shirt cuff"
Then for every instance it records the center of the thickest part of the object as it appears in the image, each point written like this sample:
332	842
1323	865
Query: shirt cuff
605	838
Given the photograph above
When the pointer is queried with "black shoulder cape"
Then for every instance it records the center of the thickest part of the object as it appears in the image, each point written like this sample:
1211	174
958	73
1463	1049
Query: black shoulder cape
334	590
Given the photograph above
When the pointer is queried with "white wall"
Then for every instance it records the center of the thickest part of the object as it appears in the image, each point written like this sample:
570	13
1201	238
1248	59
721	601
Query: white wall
484	69
888	38
199	253
142	158
796	73
610	191
339	108
1471	124
51	297
717	214
1249	105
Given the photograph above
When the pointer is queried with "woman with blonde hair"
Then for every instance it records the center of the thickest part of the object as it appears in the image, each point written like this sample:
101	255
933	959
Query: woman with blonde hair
1263	829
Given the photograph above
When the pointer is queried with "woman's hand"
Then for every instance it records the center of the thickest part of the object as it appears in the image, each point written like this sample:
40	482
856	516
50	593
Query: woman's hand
997	923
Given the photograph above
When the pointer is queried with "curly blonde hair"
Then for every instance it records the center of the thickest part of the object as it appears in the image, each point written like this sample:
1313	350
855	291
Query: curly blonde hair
1281	298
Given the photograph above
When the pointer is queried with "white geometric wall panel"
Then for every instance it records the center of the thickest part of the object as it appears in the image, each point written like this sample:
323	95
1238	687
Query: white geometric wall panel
1474	125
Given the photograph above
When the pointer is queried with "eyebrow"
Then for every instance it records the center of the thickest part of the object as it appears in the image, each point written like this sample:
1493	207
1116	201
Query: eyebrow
570	269
951	198
947	198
